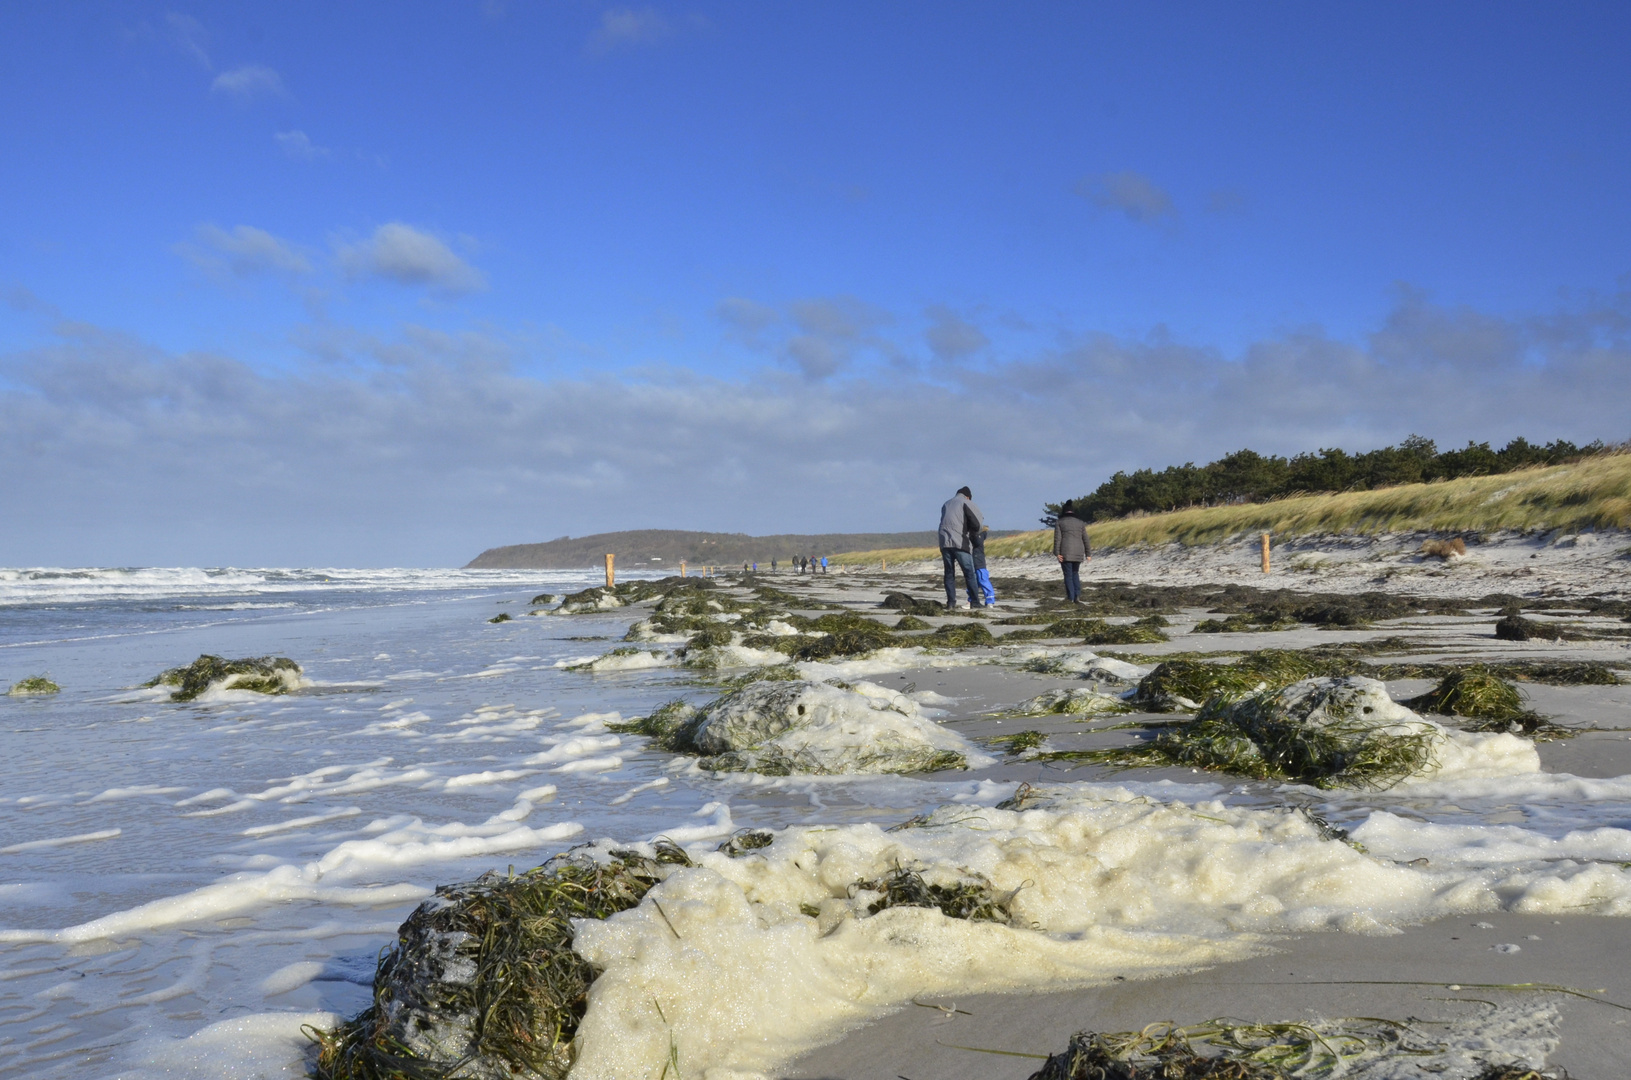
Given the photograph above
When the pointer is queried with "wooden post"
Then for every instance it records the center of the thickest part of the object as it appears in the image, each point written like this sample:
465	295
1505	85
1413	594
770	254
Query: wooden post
885	564
1265	553
682	568
611	575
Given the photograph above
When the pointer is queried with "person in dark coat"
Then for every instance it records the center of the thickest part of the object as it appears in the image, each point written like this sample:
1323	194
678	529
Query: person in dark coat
1071	547
960	521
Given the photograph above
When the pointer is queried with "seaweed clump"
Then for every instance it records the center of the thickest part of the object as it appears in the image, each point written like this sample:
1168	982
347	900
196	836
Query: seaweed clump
910	622
842	634
1332	732
1514	627
1261	622
1091	631
482	981
37	684
262	674
503	616
1185	685
972	898
1143	632
961	636
1073	701
1226	1049
1484	697
1021	741
743	841
663	724
911	605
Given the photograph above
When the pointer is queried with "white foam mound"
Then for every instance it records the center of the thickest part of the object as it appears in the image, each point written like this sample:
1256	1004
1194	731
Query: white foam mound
811	727
625	658
739	964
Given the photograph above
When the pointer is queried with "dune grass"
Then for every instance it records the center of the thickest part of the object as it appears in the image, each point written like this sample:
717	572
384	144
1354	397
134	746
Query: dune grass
1591	494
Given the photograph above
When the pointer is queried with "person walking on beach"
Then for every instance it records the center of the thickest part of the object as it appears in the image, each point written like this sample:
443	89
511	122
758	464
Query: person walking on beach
823	564
960	522
1072	549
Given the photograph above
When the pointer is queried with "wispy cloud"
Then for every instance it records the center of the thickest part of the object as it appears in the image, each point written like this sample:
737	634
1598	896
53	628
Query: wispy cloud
410	256
621	27
298	145
249	81
950	336
1132	194
188	35
240	252
818	337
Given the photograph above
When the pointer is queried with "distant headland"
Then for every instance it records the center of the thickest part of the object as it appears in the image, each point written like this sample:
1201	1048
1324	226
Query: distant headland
666	547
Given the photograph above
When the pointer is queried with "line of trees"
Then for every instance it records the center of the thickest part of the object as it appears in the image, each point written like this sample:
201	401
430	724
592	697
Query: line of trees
1247	476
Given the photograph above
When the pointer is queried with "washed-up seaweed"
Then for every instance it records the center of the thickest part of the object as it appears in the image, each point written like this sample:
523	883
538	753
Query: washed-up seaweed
907	604
482	981
1488	701
262	674
1020	741
1184	685
36	684
1322	737
1227	1049
971	898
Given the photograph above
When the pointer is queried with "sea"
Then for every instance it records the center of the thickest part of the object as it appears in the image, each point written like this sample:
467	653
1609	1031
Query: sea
185	888
165	867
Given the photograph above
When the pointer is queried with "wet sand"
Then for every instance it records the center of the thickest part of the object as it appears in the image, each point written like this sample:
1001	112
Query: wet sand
1316	975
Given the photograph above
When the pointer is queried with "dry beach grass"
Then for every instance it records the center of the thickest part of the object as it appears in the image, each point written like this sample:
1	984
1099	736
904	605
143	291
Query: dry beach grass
1590	494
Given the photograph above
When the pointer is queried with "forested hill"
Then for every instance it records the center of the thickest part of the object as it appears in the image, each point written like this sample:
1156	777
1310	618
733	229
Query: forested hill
666	547
1246	476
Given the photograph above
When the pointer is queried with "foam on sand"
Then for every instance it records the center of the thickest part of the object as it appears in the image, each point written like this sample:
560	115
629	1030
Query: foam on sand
738	964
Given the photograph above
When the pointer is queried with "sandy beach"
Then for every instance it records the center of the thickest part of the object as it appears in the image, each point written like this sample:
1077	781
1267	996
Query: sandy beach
1406	974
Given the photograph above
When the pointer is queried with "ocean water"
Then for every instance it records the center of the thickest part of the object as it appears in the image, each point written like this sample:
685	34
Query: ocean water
165	867
183	886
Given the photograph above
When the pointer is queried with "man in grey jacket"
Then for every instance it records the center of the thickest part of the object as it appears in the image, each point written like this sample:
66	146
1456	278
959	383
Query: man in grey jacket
960	522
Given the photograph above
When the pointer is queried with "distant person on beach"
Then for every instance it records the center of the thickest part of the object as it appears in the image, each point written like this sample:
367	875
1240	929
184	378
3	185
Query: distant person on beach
772	566
982	577
960	522
823	564
1072	549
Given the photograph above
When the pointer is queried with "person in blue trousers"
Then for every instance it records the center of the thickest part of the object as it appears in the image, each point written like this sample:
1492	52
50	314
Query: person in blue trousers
980	588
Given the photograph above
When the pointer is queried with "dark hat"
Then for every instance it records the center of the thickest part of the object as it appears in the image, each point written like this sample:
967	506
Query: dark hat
1068	508
965	493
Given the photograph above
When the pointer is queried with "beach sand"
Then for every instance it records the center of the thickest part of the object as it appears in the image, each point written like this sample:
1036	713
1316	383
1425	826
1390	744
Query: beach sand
1316	975
1400	976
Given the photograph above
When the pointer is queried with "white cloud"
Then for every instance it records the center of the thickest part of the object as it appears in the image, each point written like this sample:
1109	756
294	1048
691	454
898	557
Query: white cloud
249	81
243	251
410	256
1129	193
627	26
298	145
188	35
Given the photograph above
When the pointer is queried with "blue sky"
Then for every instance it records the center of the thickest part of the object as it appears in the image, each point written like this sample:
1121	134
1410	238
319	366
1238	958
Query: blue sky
370	284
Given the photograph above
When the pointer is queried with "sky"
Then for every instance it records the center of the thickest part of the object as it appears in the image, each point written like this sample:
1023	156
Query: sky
387	284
